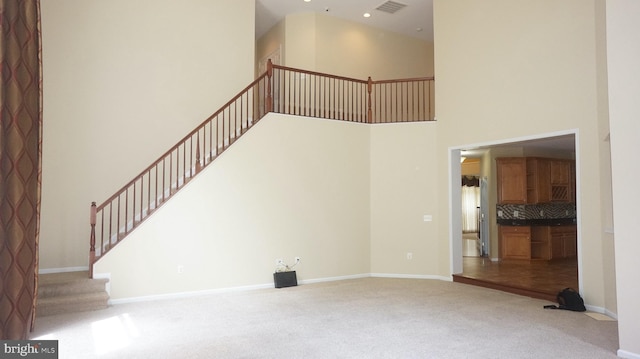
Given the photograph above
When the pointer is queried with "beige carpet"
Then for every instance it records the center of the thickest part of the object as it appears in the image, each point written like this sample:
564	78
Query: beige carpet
362	318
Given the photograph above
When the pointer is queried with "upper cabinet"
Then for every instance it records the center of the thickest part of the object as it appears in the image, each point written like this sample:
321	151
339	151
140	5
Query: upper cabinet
538	185
512	180
562	181
530	180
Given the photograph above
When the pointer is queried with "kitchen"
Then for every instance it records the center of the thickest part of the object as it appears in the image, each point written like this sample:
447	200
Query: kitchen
535	252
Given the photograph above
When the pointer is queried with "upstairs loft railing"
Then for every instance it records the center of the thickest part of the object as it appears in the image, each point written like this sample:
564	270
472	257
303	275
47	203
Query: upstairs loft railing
280	89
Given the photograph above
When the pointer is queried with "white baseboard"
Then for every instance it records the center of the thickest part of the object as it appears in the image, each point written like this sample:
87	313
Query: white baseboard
596	309
412	276
627	355
257	286
63	270
149	298
333	279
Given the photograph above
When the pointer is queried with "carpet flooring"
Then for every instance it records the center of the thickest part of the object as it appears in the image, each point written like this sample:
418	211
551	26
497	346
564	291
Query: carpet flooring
359	318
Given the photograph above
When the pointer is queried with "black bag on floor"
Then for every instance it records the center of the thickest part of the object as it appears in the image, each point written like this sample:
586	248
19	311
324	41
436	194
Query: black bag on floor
569	299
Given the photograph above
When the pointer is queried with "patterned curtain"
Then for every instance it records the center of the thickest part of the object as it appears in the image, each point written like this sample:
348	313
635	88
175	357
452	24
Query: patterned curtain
20	165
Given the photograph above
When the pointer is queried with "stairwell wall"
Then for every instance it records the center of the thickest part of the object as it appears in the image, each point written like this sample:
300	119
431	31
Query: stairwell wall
291	186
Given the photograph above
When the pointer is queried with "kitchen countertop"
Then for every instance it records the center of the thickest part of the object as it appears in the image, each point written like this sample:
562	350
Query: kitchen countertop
536	222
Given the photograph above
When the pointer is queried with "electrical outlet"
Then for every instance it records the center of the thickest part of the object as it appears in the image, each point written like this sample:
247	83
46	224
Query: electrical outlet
180	269
516	213
409	256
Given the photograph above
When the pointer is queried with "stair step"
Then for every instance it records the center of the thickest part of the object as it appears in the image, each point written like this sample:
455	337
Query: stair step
62	284
72	303
70	292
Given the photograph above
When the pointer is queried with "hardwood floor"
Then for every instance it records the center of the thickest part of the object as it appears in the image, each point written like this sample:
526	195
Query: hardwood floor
537	279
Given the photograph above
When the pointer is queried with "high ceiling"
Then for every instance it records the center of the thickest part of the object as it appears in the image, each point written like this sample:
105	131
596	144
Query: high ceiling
415	19
417	14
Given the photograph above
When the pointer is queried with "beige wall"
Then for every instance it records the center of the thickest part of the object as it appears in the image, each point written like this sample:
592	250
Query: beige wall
624	110
403	191
349	199
269	43
355	50
508	70
115	72
292	186
324	43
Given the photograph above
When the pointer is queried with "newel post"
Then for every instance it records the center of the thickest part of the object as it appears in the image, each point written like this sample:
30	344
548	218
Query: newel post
92	241
269	83
369	112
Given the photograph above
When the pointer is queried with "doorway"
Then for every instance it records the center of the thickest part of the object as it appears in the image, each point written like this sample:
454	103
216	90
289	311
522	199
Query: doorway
541	279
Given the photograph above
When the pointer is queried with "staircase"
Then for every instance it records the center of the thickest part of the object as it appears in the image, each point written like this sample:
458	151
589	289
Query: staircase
70	292
280	90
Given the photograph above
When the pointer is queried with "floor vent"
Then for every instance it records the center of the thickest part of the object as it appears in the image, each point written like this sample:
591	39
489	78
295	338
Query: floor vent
390	7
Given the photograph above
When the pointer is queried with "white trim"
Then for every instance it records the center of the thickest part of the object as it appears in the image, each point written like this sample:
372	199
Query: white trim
627	355
149	298
333	279
455	221
63	270
412	276
222	290
601	310
579	210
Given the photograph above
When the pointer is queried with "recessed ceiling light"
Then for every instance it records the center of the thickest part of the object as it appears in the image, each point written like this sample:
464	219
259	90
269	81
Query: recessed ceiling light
366	14
418	29
307	0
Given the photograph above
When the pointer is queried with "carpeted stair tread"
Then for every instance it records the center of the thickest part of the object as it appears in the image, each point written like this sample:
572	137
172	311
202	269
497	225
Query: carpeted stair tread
72	303
70	292
71	286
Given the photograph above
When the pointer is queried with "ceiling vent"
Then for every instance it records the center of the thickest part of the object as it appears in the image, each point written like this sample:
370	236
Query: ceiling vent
391	7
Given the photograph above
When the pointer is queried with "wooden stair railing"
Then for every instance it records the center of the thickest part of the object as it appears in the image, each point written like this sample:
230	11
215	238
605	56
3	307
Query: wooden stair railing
280	89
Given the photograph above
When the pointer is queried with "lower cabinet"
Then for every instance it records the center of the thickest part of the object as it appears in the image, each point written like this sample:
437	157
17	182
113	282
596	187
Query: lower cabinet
538	242
515	242
563	242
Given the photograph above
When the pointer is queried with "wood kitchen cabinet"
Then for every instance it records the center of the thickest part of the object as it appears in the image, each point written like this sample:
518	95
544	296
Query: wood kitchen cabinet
512	180
538	242
515	242
563	242
561	179
531	180
538	185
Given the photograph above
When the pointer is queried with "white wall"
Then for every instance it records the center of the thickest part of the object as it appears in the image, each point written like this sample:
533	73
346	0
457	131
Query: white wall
114	72
623	49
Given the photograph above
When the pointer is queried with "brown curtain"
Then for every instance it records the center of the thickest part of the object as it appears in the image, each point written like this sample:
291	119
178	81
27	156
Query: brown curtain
20	165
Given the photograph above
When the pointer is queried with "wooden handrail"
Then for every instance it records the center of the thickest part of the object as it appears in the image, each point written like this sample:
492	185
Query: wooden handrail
280	89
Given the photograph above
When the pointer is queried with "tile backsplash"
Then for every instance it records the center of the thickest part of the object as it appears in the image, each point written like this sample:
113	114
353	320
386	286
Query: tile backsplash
536	211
